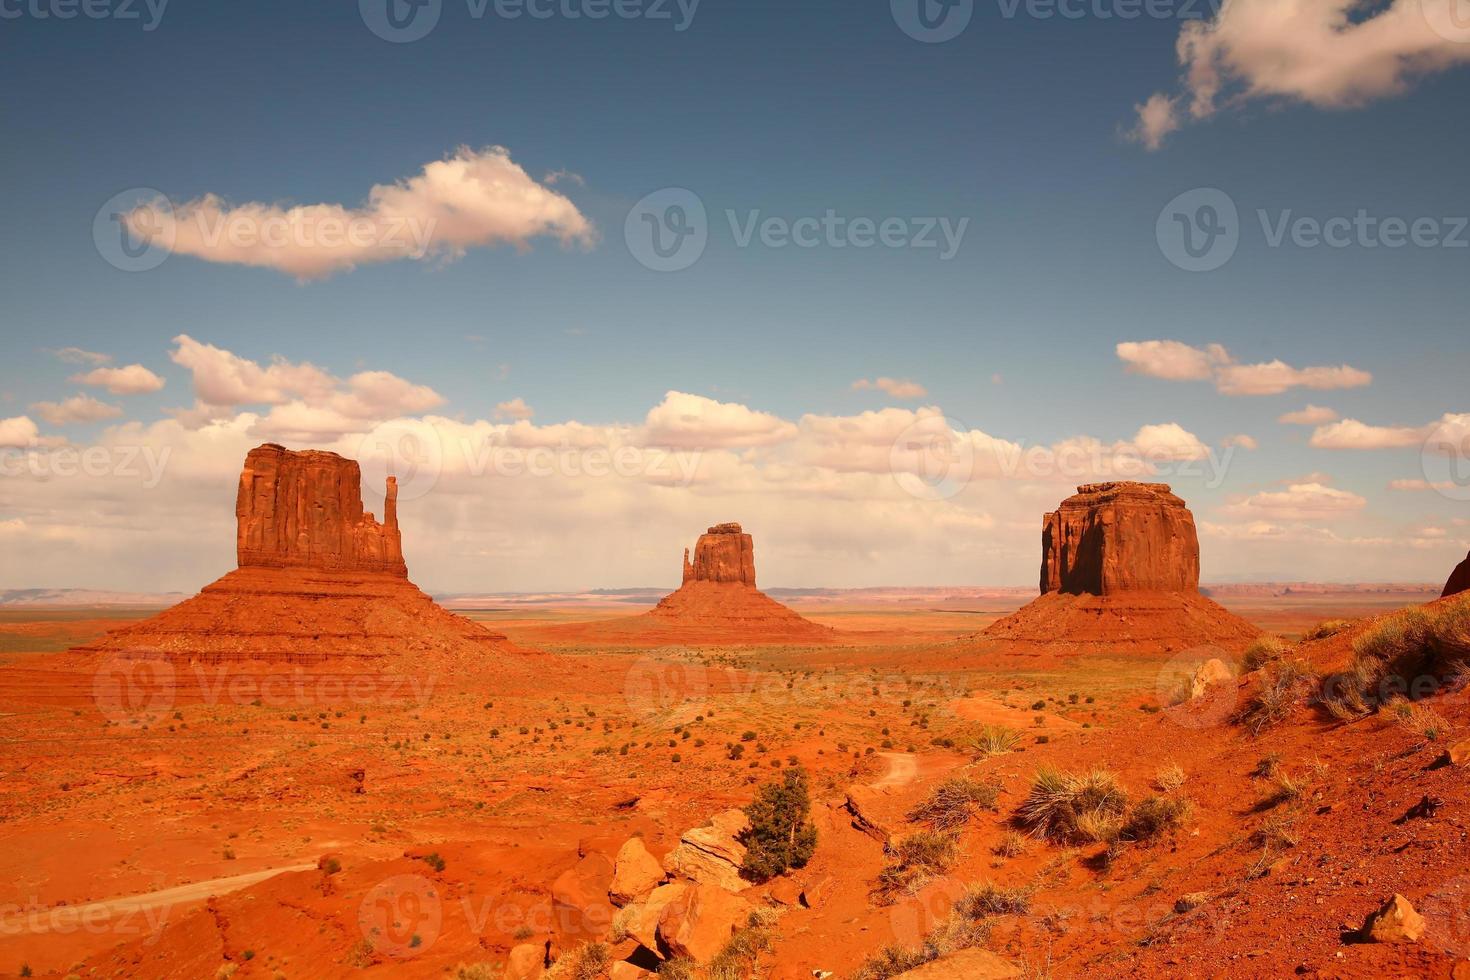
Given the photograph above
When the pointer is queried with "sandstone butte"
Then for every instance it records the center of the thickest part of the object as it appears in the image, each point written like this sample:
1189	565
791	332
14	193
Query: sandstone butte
1120	573
718	599
318	580
1459	580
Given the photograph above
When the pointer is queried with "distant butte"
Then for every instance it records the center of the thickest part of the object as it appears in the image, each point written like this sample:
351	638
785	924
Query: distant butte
319	580
1459	579
1120	572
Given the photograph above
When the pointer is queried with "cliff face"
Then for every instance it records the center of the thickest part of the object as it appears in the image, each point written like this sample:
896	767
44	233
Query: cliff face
724	553
1113	538
304	510
1459	579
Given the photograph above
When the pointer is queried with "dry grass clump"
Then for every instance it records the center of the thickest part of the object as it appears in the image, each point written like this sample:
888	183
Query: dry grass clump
988	899
1284	788
1011	844
954	802
475	971
738	958
996	740
1283	686
1276	833
1154	816
1266	649
678	968
587	962
1070	806
1326	628
954	934
1414	651
1171	777
1418	718
917	859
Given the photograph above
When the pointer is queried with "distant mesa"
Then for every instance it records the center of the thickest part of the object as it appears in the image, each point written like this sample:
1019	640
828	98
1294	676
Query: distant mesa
1120	572
1459	579
319	580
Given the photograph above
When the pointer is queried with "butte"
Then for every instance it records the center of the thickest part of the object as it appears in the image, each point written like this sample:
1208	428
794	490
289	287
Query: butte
319	581
1459	580
1120	574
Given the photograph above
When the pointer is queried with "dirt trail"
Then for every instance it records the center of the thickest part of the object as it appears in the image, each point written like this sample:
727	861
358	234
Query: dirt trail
168	897
902	770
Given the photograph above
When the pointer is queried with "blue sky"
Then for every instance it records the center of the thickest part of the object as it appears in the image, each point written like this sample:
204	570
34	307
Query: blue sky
1018	125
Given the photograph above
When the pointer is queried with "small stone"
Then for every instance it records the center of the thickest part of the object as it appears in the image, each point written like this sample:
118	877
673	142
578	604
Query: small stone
1395	922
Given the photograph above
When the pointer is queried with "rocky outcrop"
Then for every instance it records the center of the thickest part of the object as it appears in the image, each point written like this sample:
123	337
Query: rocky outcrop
636	873
304	510
700	921
1120	537
712	854
1120	574
1459	579
724	553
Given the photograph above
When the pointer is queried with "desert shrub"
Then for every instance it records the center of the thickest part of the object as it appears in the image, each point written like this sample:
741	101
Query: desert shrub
1413	651
1268	767
891	961
678	968
917	859
1276	833
781	834
1059	800
1283	685
1284	788
1156	815
1326	628
989	899
622	922
1418	718
1266	649
434	861
954	802
1011	844
996	740
1170	778
475	971
587	962
738	957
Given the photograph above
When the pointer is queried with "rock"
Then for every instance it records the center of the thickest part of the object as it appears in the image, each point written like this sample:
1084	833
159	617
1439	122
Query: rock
526	962
1457	754
864	804
712	854
1120	537
644	926
724	553
700	922
967	964
304	510
636	873
1207	675
1459	580
1395	922
1190	902
816	892
623	970
579	898
1460	971
784	891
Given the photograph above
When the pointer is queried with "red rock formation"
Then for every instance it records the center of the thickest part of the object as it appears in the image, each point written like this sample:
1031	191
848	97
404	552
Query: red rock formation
1459	579
1120	573
320	580
1120	537
304	510
724	553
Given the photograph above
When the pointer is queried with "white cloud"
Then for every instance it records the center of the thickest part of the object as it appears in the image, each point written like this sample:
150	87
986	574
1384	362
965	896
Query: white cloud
1300	501
1415	485
687	421
514	410
1311	415
18	433
134	379
78	408
75	355
1173	360
1158	116
1331	54
1240	441
473	199
224	378
901	388
1169	441
1451	432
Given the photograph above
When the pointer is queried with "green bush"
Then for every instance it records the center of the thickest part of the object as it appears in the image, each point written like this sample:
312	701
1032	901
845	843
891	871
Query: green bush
781	834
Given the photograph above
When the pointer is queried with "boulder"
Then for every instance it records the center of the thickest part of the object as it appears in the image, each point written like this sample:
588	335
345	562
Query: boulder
784	891
304	510
579	899
815	892
1395	922
866	806
967	964
1120	537
623	970
700	922
644	926
712	854
636	873
1207	675
1457	754
1459	579
526	962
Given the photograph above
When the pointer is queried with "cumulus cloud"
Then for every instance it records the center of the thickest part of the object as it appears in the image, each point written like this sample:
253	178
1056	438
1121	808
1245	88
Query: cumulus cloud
1450	434
18	433
1240	441
1300	501
1172	360
1169	441
1331	54
515	410
1311	415
225	378
899	388
687	421
472	199
76	355
134	379
78	408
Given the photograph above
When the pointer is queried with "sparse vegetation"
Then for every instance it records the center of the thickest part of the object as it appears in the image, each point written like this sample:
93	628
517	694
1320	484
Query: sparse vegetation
587	962
781	835
989	899
1154	816
1011	844
1069	806
1326	628
1266	649
954	802
1283	685
1171	777
996	740
917	859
